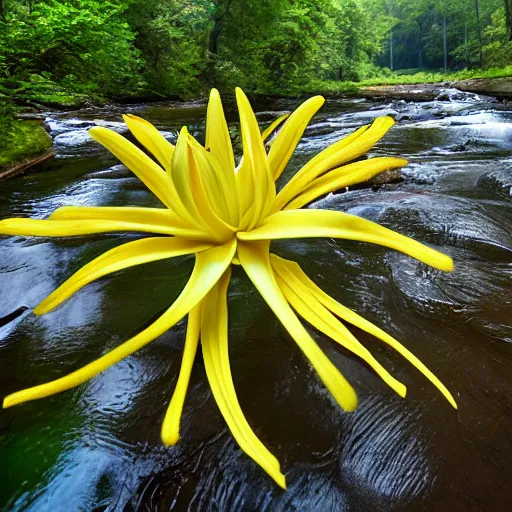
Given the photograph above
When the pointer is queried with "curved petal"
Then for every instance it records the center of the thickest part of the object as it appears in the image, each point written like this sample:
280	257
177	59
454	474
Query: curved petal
137	161
219	185
60	228
267	132
255	172
171	426
118	258
190	187
151	139
326	223
350	316
345	176
288	137
308	307
214	340
209	267
168	222
254	257
218	139
345	150
180	174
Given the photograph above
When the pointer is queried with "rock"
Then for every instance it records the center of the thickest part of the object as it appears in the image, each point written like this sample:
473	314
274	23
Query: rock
385	177
497	87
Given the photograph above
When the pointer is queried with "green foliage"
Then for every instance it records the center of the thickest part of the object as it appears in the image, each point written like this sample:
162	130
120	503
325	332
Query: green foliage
171	37
498	49
84	46
67	52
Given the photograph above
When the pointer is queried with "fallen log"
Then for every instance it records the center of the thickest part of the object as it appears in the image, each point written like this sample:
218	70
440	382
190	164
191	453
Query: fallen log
19	167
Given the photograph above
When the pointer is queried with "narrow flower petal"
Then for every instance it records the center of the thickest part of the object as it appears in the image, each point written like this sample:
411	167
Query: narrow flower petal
254	258
345	176
267	132
171	426
214	340
137	161
209	267
345	150
307	305
191	189
255	163
288	137
118	258
218	139
326	223
349	316
181	178
219	184
163	220
59	228
151	139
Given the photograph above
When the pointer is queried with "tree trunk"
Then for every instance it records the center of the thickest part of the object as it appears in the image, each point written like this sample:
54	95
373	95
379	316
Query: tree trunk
508	18
221	11
391	51
445	52
466	54
479	31
420	45
214	36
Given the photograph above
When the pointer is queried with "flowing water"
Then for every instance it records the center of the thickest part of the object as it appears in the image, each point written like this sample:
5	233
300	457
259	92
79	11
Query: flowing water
97	447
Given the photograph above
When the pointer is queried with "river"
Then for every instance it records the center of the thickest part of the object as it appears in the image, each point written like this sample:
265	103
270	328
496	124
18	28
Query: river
97	447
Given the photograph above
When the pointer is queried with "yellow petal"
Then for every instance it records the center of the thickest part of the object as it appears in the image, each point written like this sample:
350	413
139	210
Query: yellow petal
254	258
209	267
163	220
52	228
305	303
214	340
151	139
255	162
288	137
137	161
345	150
171	426
350	316
345	176
181	179
218	140
124	256
265	134
218	183
191	190
325	223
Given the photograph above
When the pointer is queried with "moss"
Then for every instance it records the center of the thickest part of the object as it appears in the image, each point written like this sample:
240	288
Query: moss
21	139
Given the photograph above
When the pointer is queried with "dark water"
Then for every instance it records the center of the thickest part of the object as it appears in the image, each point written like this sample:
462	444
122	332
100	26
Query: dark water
97	447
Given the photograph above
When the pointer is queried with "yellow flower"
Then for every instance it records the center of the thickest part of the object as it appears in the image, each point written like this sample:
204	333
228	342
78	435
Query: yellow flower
226	215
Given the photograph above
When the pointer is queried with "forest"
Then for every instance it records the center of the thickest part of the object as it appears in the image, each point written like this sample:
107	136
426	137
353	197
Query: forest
64	51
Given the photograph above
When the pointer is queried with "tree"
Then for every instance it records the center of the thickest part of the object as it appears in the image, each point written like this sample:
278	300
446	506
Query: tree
508	18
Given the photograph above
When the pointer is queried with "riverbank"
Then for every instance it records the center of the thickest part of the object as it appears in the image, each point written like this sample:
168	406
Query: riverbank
499	88
394	81
24	143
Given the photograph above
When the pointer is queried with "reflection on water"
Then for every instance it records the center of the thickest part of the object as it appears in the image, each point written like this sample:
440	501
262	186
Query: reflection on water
97	447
